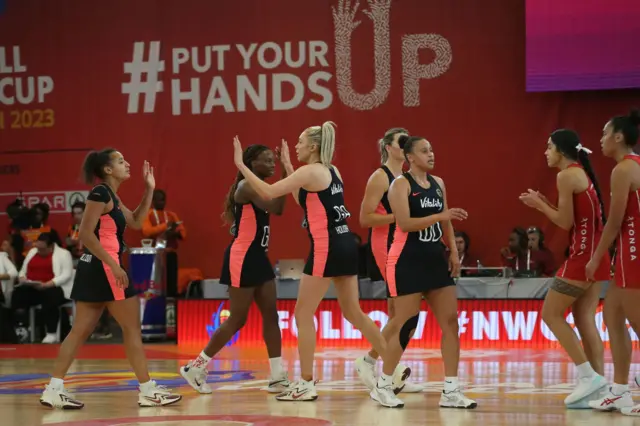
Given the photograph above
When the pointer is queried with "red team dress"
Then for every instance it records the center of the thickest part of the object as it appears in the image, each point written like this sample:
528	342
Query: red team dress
627	273
585	236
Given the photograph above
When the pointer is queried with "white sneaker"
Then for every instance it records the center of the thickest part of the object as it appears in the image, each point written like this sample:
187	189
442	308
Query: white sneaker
196	377
157	396
584	402
59	398
400	376
299	391
631	411
385	396
278	384
410	387
611	402
366	372
586	386
50	338
456	399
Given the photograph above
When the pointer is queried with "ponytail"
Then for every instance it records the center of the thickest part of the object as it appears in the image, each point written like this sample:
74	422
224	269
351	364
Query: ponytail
583	159
384	155
228	213
94	164
387	140
325	137
327	142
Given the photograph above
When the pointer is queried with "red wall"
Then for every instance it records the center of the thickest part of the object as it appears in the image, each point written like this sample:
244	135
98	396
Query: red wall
489	135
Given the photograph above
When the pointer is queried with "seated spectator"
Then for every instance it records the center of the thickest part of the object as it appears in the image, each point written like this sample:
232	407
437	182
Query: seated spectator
462	244
38	218
516	255
543	261
45	279
8	273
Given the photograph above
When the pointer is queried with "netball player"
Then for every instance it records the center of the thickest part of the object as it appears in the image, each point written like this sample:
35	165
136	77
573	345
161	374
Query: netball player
318	188
375	214
417	266
247	271
101	282
620	135
580	210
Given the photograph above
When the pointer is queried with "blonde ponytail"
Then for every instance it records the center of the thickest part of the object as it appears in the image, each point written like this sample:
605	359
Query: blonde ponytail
384	155
328	142
325	137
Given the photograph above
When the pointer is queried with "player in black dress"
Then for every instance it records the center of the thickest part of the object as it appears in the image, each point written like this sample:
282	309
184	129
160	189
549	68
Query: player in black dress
417	266
101	281
318	188
375	214
247	271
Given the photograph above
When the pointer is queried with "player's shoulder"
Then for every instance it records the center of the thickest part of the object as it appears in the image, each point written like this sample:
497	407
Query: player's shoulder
99	193
438	179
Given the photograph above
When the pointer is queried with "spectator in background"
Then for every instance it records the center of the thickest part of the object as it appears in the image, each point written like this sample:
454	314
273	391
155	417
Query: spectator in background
72	242
46	278
542	259
8	272
462	244
39	216
19	220
162	224
516	256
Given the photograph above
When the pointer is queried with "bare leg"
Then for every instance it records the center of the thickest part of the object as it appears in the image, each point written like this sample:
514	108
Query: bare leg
444	304
560	297
310	294
615	320
87	316
406	307
265	298
349	300
240	300
127	314
584	312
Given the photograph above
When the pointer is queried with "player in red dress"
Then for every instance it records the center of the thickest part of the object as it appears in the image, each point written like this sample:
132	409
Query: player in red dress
620	135
580	210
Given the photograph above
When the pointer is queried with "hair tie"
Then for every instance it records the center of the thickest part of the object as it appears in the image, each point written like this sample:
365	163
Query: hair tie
582	148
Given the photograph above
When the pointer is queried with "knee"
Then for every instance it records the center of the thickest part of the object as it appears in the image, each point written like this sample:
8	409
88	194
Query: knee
551	316
236	321
354	314
270	317
585	323
82	330
450	324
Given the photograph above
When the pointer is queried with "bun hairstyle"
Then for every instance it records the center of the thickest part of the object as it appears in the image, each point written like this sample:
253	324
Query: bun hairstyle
407	143
628	126
248	156
387	140
325	137
567	142
94	164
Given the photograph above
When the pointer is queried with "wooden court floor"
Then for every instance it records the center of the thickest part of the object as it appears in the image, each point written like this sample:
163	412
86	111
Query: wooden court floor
512	387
